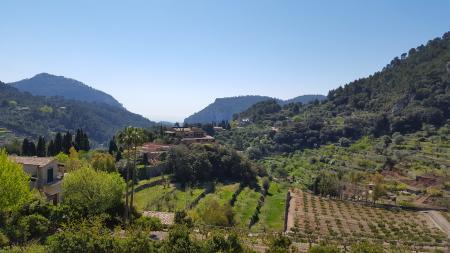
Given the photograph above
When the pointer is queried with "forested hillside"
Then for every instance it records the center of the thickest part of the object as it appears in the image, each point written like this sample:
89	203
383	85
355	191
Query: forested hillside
50	85
28	115
223	109
410	92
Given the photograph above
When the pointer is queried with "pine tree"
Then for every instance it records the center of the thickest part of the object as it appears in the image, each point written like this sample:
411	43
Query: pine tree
58	144
25	146
40	150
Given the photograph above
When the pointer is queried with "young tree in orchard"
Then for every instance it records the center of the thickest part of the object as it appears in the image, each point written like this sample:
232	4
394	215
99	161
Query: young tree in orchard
379	189
14	184
130	138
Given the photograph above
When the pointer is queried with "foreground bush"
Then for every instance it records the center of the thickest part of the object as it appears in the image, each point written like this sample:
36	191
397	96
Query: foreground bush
90	192
14	184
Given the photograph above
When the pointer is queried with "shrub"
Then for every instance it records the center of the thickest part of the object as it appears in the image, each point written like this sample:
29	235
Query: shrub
324	249
4	240
366	247
136	241
88	192
218	243
148	223
179	241
279	244
30	248
213	213
33	226
85	236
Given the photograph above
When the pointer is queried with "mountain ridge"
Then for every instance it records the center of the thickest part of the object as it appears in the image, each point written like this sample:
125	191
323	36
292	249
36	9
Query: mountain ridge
223	109
27	115
49	85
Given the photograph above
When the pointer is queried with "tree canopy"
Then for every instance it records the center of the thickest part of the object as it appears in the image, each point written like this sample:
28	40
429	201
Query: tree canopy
14	184
92	192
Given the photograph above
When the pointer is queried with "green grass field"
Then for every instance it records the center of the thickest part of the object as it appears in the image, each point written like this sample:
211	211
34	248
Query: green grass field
245	206
223	193
158	198
272	212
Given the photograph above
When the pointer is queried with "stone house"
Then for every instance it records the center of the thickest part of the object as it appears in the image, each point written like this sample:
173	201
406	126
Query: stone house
44	173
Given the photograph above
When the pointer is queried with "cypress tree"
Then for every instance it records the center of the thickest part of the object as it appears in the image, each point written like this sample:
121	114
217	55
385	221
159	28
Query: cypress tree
67	142
79	140
40	150
51	148
58	144
85	142
25	146
31	148
118	155
112	146
145	159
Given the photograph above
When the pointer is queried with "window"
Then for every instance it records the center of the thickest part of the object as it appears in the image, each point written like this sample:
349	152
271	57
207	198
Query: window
50	175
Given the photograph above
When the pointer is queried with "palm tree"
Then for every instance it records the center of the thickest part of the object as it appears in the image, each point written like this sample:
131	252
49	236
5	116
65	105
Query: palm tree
130	138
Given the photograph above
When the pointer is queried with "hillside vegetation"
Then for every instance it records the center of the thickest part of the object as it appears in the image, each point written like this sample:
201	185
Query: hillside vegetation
409	92
33	116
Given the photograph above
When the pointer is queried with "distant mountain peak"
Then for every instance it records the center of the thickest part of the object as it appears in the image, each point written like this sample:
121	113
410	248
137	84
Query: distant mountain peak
224	108
49	85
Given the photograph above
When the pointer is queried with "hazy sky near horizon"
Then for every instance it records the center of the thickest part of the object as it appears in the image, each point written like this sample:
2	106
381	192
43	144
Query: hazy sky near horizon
168	59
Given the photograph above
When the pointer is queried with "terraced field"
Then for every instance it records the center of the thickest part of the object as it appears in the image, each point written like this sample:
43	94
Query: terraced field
312	218
244	207
169	198
400	158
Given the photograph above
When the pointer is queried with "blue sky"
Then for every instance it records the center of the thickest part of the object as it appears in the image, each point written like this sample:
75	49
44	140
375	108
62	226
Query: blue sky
168	59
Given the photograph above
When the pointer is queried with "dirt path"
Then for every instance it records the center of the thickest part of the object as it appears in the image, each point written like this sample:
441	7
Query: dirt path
291	211
440	221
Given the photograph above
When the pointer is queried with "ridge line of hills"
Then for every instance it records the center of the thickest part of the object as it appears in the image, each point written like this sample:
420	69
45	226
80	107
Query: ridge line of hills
46	104
223	109
410	93
48	85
